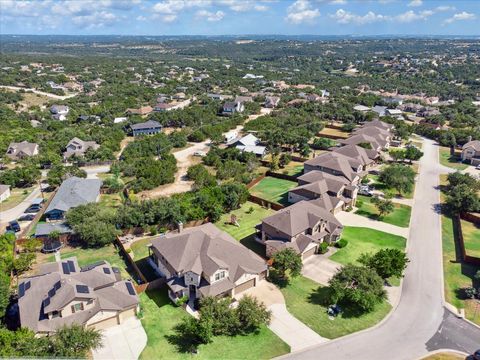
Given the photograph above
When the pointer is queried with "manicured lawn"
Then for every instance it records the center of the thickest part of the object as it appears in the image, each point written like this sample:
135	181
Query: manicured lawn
160	317
246	219
273	189
294	168
90	256
139	254
383	187
451	161
140	248
111	200
365	240
334	132
308	302
399	217
471	238
16	197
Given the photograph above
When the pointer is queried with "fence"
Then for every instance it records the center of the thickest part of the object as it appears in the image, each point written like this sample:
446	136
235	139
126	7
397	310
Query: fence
94	163
458	235
130	261
472	217
281	176
265	203
255	181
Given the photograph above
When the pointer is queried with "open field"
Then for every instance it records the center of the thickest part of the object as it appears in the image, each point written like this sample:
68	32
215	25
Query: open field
365	240
399	217
450	161
160	317
273	189
308	302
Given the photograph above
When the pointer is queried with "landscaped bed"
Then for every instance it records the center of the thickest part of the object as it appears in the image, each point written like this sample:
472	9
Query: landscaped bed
273	189
365	240
308	302
471	238
399	217
160	317
450	161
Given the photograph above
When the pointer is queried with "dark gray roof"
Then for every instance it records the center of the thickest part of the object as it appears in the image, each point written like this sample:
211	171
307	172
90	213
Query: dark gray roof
150	124
74	192
48	228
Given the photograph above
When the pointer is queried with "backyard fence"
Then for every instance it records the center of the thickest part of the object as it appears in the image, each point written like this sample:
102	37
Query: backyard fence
460	243
281	176
265	203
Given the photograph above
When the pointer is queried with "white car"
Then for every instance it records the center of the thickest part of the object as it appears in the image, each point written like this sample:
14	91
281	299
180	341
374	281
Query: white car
200	153
365	190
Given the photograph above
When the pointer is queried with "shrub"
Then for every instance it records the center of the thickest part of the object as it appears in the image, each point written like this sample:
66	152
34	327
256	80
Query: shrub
341	243
359	203
323	248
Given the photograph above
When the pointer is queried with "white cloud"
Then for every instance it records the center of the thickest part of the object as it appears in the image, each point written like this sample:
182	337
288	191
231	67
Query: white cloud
210	16
410	16
345	17
242	5
168	10
415	3
141	18
96	19
444	8
460	17
22	8
338	2
301	11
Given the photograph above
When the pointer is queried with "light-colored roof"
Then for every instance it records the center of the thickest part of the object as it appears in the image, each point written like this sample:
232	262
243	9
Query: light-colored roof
361	108
257	150
74	192
81	147
357	152
475	144
334	183
24	147
248	140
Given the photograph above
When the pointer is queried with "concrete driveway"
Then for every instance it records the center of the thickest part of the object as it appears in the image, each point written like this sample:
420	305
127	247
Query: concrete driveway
320	268
287	327
122	342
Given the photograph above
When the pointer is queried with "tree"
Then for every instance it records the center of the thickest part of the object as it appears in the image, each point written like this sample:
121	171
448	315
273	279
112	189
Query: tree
397	154
287	263
284	160
462	199
357	286
224	319
274	163
458	178
75	341
386	262
58	173
413	154
384	206
400	177
251	314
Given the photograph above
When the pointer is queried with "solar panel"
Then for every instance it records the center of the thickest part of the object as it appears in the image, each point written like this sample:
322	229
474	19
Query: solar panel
71	266
82	289
106	270
27	285
130	288
21	290
57	285
46	302
51	292
66	271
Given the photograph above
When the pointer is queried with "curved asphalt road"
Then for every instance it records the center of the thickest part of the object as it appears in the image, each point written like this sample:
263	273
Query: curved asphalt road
420	323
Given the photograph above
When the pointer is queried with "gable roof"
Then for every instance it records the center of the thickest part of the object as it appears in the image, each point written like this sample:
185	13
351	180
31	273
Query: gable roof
205	249
357	152
362	139
336	162
334	183
74	192
24	147
475	144
150	124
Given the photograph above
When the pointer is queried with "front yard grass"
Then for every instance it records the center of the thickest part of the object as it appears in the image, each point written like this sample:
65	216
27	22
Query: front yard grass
365	240
273	189
399	217
160	317
17	195
450	161
471	238
308	302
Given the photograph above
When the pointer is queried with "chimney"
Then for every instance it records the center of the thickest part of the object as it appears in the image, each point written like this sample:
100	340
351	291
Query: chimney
180	226
469	138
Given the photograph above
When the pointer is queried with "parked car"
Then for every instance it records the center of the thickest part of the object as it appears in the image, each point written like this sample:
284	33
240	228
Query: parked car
26	217
365	190
200	153
14	226
32	209
476	355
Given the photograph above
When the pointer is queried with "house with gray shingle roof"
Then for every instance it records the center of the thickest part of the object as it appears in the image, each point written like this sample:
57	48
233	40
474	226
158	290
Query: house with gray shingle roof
63	293
21	150
471	152
73	192
78	147
205	261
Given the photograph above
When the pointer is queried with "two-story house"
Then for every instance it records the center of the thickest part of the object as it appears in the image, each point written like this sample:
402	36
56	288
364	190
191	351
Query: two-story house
59	112
151	127
251	144
205	261
21	150
232	107
471	152
78	147
336	164
301	226
63	293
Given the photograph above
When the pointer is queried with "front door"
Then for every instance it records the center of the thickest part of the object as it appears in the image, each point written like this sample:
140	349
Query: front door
192	290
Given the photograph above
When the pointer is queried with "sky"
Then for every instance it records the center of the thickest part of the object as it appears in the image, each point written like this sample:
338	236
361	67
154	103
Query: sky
237	17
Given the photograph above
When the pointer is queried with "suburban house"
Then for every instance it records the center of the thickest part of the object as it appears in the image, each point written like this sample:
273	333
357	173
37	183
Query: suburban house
471	152
336	164
383	137
301	226
250	144
73	192
231	107
333	193
380	110
361	108
44	231
363	140
144	110
271	101
59	112
366	156
150	127
244	99
63	293
379	124
78	147
205	261
21	150
4	192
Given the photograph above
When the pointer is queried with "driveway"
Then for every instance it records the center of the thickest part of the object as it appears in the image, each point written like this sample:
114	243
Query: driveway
122	342
93	171
287	327
15	212
320	268
420	323
351	219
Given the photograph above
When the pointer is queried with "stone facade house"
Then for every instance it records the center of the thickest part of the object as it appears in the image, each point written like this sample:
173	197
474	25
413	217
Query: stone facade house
471	152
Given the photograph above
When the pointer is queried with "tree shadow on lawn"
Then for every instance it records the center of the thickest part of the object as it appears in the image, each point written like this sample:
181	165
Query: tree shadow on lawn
250	243
284	199
369	215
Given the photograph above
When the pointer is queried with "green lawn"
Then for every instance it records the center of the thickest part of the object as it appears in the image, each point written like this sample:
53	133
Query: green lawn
308	302
294	168
160	316
90	256
471	238
365	240
273	189
111	200
16	197
450	161
399	217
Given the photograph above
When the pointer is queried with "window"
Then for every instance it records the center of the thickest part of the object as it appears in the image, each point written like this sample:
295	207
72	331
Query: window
56	314
220	275
90	301
77	307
